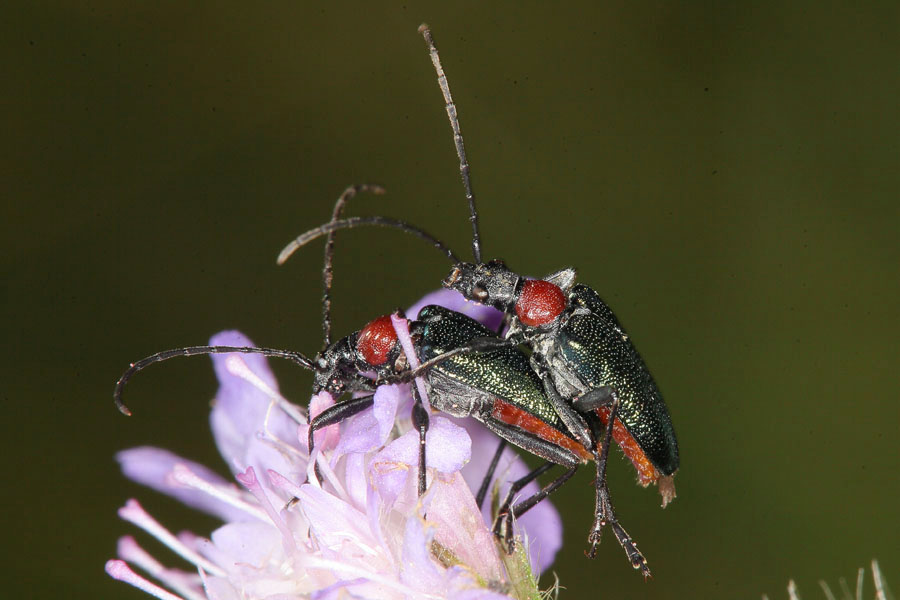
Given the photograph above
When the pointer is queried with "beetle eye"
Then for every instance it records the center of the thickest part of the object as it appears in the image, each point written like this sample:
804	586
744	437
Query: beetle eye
479	293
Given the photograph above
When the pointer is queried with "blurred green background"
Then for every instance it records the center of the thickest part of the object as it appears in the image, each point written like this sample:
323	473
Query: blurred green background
725	176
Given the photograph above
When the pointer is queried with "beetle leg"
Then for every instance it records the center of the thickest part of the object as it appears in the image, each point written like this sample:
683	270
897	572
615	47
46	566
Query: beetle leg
336	414
574	422
531	443
607	440
604	513
593	399
628	544
482	490
552	453
503	528
420	422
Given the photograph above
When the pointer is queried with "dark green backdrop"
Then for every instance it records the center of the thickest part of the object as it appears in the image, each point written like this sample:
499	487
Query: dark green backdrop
726	177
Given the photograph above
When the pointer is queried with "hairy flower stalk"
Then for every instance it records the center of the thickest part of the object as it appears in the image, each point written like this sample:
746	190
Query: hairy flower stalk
363	532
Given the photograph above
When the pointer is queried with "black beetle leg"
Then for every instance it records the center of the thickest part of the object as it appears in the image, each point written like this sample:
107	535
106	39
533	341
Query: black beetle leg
593	399
492	468
420	421
336	414
574	422
503	524
604	513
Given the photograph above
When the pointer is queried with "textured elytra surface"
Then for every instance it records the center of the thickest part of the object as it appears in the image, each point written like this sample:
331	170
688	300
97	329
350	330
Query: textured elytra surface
599	353
504	373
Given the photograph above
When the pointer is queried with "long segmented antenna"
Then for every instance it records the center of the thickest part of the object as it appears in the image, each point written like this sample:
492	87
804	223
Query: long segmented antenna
457	139
327	269
292	356
352	222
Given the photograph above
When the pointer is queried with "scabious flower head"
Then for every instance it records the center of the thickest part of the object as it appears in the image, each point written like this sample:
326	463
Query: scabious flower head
363	532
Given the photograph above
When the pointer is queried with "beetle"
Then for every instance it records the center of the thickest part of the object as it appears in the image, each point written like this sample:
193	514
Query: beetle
339	368
565	431
580	343
499	388
578	347
496	386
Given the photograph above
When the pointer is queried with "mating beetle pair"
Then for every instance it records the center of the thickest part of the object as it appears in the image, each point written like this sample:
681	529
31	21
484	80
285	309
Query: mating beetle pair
591	372
582	385
495	386
579	343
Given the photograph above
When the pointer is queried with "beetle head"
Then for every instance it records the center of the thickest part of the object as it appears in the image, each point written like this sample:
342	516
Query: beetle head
490	283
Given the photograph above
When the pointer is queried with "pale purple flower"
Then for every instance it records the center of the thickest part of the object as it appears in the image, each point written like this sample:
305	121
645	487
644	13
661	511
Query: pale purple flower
362	533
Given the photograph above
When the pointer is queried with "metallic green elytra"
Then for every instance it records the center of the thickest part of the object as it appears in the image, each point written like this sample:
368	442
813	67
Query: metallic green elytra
596	351
503	373
580	345
579	384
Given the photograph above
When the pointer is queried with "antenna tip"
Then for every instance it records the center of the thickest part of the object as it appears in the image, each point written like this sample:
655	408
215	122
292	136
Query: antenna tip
285	253
423	28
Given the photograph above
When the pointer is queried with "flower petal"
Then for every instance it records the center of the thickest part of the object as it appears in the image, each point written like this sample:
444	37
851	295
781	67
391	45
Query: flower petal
542	525
417	569
447	449
332	521
327	438
250	543
153	467
370	429
249	428
363	533
235	393
459	526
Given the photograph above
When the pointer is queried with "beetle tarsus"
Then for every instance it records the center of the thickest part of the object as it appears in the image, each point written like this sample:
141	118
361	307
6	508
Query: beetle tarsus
634	555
